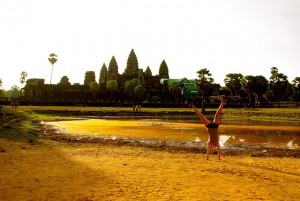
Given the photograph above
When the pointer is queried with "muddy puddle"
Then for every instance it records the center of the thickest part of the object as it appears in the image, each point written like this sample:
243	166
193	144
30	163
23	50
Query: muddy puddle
274	136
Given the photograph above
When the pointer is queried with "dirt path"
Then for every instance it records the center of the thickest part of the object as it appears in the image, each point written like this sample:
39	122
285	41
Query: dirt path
72	171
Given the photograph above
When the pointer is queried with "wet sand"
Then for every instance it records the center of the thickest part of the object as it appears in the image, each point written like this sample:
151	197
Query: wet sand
55	170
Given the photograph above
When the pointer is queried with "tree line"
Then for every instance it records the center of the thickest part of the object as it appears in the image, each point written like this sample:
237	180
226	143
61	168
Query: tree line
258	89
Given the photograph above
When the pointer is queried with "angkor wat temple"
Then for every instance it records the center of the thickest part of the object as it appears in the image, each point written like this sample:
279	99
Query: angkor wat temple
156	91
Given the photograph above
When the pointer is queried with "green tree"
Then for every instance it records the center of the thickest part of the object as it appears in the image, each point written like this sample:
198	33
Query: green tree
113	71
129	87
233	82
296	89
139	92
248	85
103	74
112	87
154	99
204	84
89	77
261	85
279	85
2	92
94	88
14	92
52	58
163	70
132	65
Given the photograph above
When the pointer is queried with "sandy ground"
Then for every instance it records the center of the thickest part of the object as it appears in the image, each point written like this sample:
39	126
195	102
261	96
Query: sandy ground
72	171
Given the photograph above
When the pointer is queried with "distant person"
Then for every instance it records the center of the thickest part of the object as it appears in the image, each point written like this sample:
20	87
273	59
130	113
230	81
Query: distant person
136	108
13	105
1	112
212	128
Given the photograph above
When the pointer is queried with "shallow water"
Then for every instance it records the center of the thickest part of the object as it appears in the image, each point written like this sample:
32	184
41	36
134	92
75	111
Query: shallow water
230	135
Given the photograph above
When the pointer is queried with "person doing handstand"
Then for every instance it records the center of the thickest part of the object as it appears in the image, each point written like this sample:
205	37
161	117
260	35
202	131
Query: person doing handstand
212	128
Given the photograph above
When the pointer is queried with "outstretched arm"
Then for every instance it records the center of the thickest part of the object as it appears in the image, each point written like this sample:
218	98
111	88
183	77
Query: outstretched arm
218	113
202	117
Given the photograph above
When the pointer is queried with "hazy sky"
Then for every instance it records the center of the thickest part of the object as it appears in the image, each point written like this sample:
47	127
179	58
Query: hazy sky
224	36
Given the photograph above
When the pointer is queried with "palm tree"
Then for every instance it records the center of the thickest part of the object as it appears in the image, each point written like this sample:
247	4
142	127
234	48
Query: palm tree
248	85
1	89
279	84
52	58
23	77
233	82
203	83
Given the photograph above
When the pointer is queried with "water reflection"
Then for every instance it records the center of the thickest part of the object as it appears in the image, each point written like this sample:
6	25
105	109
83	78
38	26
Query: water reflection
241	121
223	139
230	135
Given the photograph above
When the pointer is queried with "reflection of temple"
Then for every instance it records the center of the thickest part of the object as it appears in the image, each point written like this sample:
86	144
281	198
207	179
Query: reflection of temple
294	144
231	141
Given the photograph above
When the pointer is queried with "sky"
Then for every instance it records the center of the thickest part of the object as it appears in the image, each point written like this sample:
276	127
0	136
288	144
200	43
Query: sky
224	36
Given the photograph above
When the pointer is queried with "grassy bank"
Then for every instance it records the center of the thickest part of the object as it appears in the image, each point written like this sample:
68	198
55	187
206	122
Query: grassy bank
18	125
264	114
261	114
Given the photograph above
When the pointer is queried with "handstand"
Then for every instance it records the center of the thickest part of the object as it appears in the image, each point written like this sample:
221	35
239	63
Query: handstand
212	128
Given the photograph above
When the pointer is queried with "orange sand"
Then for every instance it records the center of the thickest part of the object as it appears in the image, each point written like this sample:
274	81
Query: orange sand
61	171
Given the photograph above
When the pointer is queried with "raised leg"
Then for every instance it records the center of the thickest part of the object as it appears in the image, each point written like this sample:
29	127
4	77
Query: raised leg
202	117
218	113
